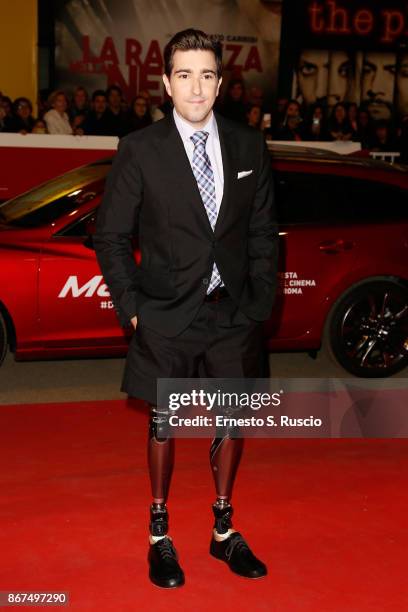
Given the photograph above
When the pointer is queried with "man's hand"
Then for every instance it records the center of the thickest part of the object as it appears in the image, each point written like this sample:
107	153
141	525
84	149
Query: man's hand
134	321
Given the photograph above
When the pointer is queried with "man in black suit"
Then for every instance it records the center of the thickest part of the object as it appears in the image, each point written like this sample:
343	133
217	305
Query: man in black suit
198	190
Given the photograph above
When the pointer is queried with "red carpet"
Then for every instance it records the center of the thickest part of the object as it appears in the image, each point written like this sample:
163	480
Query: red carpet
329	517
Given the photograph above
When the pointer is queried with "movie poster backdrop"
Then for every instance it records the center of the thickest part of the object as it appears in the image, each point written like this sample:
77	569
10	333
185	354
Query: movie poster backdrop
105	42
351	51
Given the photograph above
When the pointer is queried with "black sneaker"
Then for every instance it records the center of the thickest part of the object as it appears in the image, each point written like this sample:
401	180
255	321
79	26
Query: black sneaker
238	556
164	568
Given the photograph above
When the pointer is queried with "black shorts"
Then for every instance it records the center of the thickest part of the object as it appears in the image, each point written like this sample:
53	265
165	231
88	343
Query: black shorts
221	342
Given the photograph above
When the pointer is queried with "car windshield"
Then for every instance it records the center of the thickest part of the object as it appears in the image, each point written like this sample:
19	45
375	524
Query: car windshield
50	200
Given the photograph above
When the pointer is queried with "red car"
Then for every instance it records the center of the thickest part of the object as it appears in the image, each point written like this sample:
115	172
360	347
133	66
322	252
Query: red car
343	264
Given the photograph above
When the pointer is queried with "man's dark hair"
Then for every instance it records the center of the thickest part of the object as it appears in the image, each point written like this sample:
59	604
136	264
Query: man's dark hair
97	93
191	39
19	101
113	88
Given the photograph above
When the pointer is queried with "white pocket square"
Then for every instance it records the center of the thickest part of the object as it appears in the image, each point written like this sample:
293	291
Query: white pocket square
244	173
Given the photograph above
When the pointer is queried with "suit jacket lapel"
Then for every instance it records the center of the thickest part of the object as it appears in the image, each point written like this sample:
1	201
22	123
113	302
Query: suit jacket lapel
178	164
229	155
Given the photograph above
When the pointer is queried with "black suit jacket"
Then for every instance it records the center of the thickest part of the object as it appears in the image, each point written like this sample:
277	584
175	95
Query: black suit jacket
151	192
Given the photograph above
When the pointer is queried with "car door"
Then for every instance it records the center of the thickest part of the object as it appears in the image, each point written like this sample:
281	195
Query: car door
74	303
316	246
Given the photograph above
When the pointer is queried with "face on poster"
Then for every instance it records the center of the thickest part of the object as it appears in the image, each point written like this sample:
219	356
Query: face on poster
352	52
122	42
378	83
324	76
376	80
402	85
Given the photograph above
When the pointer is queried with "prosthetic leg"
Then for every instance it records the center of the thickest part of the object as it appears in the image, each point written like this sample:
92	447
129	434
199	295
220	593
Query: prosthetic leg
225	456
163	559
227	544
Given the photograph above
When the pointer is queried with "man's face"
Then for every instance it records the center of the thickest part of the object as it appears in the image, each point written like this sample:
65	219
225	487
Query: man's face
378	76
381	133
100	104
114	99
80	98
340	74
256	96
340	113
236	92
402	85
23	110
6	105
254	115
140	107
323	76
193	85
312	74
292	110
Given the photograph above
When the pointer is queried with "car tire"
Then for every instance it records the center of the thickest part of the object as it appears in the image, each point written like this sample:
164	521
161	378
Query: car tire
367	329
3	339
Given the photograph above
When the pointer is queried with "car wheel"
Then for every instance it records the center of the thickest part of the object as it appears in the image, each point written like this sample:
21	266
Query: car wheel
367	330
3	339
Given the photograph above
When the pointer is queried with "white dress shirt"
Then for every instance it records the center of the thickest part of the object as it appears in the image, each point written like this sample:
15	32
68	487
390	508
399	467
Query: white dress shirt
213	149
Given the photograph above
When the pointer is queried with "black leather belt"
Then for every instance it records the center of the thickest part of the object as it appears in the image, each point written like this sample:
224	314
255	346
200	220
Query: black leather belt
216	295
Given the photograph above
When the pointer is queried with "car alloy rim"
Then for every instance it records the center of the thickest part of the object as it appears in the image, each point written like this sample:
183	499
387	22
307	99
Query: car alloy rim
374	329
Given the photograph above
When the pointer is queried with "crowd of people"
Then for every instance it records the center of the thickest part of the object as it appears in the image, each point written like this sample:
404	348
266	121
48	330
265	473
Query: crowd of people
107	113
289	120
